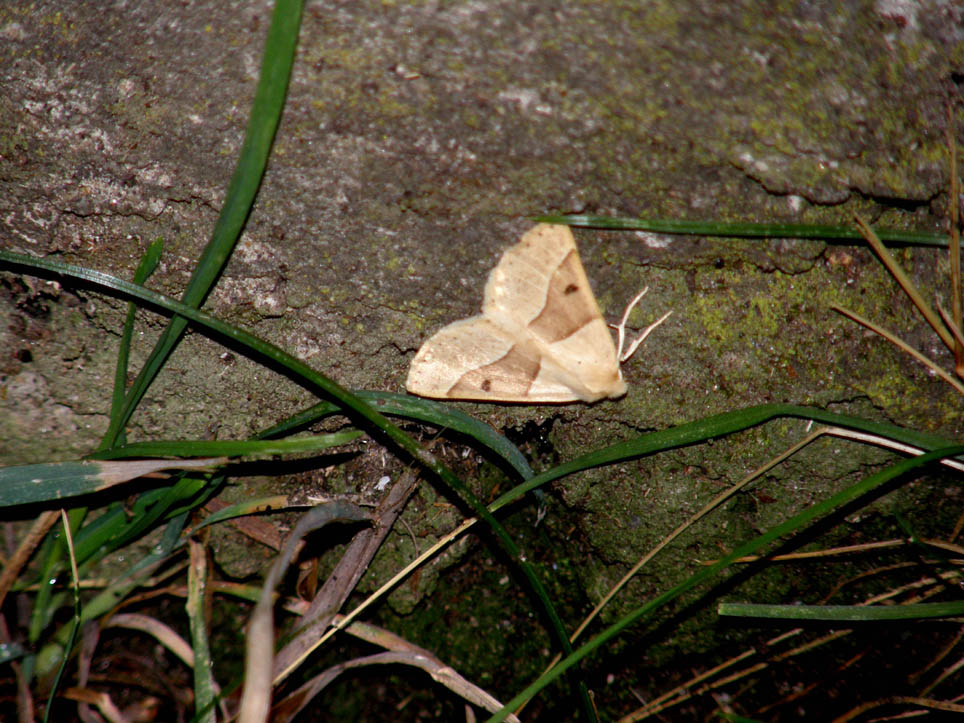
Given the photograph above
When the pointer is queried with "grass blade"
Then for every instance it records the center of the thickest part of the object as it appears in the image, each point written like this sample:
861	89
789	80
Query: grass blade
205	689
47	482
799	521
710	428
363	414
229	447
443	416
843	613
748	230
145	268
279	53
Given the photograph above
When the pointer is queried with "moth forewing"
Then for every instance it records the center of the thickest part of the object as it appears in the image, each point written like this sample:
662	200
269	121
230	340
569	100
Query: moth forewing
540	338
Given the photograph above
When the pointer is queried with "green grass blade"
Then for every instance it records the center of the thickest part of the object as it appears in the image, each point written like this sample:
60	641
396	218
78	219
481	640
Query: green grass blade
45	602
710	428
444	416
120	524
843	613
204	685
361	413
29	484
279	53
74	624
799	521
228	447
189	492
97	534
107	599
145	268
750	230
243	509
11	651
266	112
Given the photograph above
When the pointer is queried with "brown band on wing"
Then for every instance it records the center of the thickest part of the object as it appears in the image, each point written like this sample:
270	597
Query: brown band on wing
569	306
508	377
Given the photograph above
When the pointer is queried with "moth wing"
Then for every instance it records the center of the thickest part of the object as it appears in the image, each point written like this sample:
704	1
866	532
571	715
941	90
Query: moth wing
478	359
540	285
540	338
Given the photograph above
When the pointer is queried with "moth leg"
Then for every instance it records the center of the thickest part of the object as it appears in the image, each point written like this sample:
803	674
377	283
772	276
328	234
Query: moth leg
621	328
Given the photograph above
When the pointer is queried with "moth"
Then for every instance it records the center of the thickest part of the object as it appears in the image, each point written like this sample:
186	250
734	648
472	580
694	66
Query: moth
540	337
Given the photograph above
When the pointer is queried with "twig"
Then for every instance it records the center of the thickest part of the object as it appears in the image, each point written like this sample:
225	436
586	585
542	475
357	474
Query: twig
899	343
954	245
905	283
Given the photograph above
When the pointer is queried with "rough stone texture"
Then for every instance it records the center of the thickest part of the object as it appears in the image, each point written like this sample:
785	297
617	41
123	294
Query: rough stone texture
416	141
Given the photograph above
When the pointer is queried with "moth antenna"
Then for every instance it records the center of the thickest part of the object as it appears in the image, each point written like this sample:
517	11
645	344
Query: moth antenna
621	326
621	329
642	337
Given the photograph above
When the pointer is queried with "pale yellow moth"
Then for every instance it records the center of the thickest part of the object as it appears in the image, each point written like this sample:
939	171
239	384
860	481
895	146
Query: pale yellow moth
540	337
